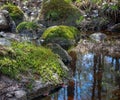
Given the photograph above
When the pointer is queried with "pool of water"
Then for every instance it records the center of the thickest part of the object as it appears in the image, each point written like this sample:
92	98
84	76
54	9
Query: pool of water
95	77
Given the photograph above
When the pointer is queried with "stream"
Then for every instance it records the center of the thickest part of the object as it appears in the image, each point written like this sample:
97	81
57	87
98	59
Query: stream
95	77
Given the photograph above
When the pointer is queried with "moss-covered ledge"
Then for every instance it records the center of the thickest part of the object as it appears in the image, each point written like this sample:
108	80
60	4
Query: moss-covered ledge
35	68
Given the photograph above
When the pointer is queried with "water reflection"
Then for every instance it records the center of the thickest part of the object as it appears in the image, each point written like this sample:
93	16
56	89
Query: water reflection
96	77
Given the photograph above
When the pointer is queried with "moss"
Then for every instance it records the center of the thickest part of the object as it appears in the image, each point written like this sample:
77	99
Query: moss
31	60
27	25
59	10
67	32
15	12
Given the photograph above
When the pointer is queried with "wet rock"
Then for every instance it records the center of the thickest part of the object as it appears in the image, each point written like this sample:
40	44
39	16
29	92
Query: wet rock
40	89
115	28
56	48
98	37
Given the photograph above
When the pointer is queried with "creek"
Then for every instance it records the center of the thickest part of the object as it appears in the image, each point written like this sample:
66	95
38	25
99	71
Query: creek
95	77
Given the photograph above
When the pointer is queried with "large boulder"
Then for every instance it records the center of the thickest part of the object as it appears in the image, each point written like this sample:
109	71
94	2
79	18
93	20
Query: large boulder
6	22
65	36
57	49
44	71
57	12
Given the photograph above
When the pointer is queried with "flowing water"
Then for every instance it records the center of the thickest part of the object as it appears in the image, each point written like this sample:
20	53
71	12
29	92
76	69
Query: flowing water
95	77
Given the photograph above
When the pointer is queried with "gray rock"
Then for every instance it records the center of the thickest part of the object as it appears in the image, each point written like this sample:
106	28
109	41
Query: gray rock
10	95
5	42
64	43
6	22
39	88
20	95
10	36
3	21
98	37
115	28
57	49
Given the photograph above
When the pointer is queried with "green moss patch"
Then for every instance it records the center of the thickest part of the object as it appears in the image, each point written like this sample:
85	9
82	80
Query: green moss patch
27	26
15	12
66	32
31	61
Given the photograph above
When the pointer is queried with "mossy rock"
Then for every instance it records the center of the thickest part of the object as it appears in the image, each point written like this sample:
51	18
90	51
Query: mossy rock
63	35
15	12
27	26
23	59
57	12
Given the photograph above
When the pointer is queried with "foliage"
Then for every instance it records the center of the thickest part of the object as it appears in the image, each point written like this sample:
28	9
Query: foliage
111	11
31	60
15	12
66	32
27	25
81	18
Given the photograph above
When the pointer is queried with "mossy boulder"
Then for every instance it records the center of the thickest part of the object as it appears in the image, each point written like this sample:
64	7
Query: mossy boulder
28	26
65	36
30	29
57	12
36	63
15	12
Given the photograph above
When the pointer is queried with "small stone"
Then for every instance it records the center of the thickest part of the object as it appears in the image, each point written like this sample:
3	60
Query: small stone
4	42
9	95
21	94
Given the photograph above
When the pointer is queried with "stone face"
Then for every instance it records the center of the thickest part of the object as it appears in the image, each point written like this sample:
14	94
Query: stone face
3	21
6	22
98	37
56	48
64	43
115	28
